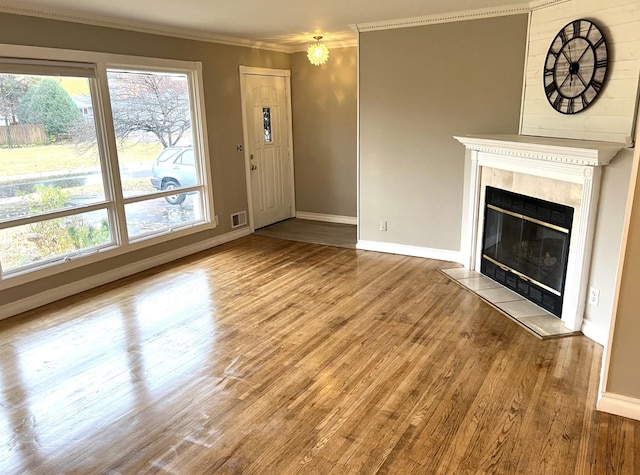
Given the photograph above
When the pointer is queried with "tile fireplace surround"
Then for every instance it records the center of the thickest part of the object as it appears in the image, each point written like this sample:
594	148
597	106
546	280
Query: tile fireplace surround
559	170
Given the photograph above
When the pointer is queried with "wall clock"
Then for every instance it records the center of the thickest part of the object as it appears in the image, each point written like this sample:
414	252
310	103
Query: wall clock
575	67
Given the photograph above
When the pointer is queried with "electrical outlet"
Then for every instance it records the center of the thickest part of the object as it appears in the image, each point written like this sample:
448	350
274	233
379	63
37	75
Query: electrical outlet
383	225
594	296
215	220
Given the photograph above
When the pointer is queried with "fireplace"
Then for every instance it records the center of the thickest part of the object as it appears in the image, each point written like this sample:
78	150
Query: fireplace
561	171
525	246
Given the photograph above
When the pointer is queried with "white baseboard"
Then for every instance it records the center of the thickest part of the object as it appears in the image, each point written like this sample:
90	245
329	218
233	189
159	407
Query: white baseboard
67	290
594	332
619	405
428	253
327	218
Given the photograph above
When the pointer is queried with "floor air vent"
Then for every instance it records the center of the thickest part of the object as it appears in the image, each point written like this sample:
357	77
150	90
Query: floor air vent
238	219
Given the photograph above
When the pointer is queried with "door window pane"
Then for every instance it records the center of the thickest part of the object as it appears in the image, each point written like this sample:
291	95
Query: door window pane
266	124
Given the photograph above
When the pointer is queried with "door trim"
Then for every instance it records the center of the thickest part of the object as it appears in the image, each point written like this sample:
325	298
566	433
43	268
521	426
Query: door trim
286	74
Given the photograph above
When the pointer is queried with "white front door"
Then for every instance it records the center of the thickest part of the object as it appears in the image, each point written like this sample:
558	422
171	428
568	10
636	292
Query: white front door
268	142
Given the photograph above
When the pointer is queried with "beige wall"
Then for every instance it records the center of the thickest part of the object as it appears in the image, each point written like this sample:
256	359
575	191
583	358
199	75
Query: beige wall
222	103
324	102
607	240
622	378
418	88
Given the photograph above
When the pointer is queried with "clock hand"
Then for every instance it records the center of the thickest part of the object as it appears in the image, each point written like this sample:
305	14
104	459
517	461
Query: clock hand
583	53
581	80
565	80
565	55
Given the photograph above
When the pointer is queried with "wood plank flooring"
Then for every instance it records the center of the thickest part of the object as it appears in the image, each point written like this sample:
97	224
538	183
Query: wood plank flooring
317	232
266	356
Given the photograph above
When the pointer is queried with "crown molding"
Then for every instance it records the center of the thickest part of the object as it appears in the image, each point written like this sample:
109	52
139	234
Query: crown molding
329	44
540	4
140	27
463	15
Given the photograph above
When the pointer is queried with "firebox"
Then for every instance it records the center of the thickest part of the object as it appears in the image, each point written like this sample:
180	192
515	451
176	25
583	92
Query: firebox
525	246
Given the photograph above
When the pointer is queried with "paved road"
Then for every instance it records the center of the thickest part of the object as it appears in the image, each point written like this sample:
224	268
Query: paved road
146	216
9	189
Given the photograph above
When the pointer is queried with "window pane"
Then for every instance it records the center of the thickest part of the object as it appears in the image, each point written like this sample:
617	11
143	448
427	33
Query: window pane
177	171
24	245
48	145
152	121
158	214
266	124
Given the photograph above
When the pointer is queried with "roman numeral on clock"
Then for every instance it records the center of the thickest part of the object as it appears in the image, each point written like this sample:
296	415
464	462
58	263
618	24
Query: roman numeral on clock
550	88
585	101
576	28
563	37
557	103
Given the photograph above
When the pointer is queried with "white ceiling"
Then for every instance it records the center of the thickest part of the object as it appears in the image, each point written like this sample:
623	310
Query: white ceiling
287	23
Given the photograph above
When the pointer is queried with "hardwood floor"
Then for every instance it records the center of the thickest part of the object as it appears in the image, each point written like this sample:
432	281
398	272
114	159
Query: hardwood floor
278	357
318	232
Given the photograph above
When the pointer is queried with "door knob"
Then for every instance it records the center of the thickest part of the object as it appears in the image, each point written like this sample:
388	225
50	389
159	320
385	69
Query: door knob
253	167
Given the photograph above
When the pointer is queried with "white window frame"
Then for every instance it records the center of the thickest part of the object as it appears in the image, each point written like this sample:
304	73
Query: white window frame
108	152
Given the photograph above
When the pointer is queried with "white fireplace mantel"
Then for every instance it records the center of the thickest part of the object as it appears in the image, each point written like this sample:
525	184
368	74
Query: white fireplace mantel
573	161
568	151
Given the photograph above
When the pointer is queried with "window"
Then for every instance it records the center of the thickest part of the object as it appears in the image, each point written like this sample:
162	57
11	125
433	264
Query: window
97	160
152	121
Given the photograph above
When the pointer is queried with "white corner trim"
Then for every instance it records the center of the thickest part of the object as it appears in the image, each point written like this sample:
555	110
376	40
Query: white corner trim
73	288
619	405
327	218
405	250
138	26
595	332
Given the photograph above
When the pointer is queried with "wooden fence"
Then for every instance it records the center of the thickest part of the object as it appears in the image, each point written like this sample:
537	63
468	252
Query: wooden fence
23	135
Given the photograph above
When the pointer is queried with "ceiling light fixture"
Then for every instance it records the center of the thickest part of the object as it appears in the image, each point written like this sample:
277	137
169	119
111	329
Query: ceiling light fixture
317	52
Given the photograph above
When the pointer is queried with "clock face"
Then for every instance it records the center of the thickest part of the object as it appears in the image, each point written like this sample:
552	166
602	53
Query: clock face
575	67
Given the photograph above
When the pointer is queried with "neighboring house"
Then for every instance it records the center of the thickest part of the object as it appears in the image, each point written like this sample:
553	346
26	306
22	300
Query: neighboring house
84	105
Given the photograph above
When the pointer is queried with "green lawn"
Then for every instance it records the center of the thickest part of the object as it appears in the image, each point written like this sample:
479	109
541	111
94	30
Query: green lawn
58	157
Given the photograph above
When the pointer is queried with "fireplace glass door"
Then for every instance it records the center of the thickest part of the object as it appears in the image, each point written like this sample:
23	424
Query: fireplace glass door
526	246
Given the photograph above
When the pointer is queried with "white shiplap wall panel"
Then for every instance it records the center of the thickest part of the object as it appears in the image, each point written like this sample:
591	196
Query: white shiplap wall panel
612	116
617	11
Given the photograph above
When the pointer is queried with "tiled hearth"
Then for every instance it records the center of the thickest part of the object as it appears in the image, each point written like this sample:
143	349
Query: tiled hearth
530	316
